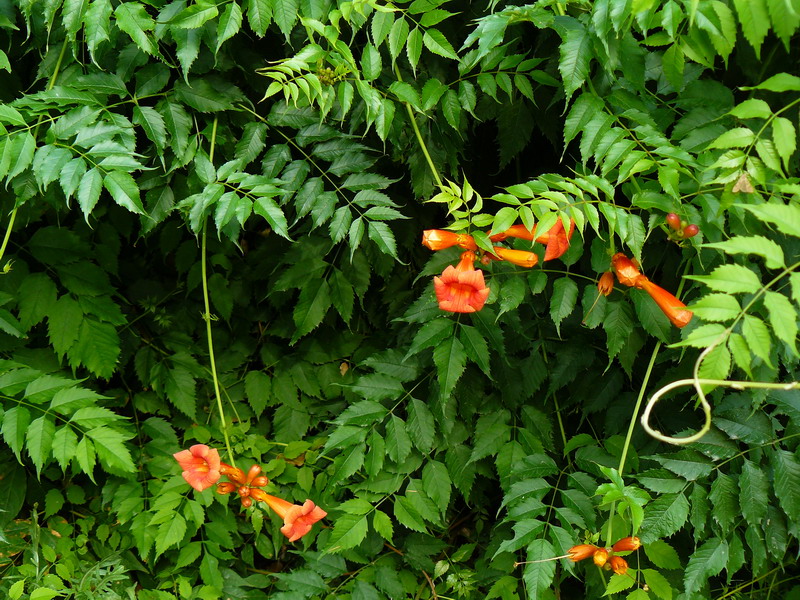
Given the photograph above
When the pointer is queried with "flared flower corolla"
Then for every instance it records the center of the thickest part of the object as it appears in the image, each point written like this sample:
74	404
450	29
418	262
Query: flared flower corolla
201	466
297	518
600	557
557	240
461	288
440	239
628	274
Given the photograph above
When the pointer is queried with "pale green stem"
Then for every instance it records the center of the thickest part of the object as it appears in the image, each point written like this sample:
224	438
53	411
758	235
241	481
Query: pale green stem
207	316
418	133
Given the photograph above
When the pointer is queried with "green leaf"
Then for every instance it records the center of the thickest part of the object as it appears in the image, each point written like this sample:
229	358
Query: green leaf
259	16
15	424
662	555
618	583
664	516
111	450
229	23
450	359
754	20
784	136
476	347
97	347
539	571
267	208
421	427
208	94
782	317
731	279
724	498
414	47
380	27
437	484
398	443
786	469
383	238
491	433
753	493
705	562
650	316
562	303
739	137
782	82
286	13
703	336
132	18
716	307
312	306
398	36
434	40
382	523
123	190
370	62
618	324
755	244
170	533
377	386
575	57
757	336
785	217
39	437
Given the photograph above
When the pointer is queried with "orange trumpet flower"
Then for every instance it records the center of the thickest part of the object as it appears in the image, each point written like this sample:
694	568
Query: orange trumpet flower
439	239
297	519
517	231
201	466
600	557
605	285
628	274
461	289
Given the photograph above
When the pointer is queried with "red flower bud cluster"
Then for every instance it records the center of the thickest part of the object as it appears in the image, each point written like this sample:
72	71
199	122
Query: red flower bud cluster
681	230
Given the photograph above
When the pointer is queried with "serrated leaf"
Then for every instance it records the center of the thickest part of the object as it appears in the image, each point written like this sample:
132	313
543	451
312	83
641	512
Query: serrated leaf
753	493
539	572
562	302
450	359
575	56
757	336
132	18
731	279
664	516
716	307
436	42
705	562
123	190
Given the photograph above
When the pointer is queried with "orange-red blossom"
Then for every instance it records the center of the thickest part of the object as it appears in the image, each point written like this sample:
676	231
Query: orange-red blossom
297	518
628	544
628	274
556	239
461	288
201	466
605	285
618	564
603	557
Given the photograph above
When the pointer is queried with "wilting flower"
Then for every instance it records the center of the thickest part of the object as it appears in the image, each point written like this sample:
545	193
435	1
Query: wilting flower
297	518
581	551
461	288
600	557
628	274
605	285
618	564
627	544
201	466
522	258
439	239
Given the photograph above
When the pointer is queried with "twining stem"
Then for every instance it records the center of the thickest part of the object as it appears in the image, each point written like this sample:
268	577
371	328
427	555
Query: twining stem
418	133
207	315
50	85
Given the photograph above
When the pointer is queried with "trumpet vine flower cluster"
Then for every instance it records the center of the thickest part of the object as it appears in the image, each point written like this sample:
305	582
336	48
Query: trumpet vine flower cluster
628	274
462	288
202	468
604	557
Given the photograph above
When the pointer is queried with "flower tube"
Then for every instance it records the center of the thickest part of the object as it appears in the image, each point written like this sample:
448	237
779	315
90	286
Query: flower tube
439	239
297	519
581	551
628	274
522	258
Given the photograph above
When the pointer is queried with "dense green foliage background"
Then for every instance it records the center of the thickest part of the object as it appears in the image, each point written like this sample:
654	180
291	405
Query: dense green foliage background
279	154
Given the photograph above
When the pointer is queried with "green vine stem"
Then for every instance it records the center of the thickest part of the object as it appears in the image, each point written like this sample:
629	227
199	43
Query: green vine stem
208	318
418	133
13	216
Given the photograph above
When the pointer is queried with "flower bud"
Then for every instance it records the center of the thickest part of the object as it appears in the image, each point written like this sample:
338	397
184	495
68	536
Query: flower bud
690	231
259	495
581	551
627	544
521	258
243	491
226	487
674	221
236	475
605	285
619	565
439	239
247	502
259	481
254	471
600	557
